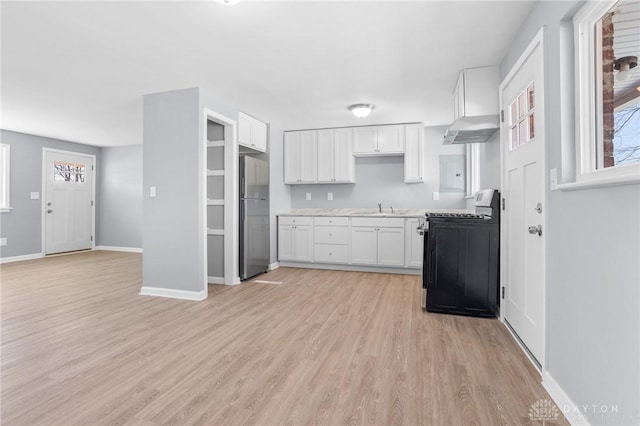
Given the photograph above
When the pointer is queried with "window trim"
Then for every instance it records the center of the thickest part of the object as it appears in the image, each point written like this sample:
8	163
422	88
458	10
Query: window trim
5	179
586	96
472	169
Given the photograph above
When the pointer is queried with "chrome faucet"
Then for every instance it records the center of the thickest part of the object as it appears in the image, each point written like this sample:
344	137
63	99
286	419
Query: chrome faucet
391	209
379	207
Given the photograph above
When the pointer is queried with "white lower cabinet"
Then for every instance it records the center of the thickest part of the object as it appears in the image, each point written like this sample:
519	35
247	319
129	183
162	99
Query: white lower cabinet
295	239
364	246
331	239
365	241
414	244
377	241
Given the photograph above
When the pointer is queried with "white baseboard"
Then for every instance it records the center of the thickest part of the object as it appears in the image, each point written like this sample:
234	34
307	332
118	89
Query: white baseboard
125	249
354	268
272	266
173	294
21	258
568	408
220	280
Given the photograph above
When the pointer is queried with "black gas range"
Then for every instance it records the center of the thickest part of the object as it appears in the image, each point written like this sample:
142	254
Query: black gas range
461	259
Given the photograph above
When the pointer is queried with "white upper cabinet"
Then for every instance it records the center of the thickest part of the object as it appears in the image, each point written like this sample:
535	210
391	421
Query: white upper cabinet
300	157
252	133
344	169
378	140
326	155
476	93
336	163
319	156
365	139
414	153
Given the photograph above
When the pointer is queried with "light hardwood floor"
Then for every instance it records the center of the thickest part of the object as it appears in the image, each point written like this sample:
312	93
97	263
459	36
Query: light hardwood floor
80	346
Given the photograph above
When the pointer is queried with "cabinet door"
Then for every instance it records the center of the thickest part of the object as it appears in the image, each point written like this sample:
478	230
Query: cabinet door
364	244
291	157
414	154
391	139
303	243
391	246
458	97
325	156
364	140
244	129
414	243
258	135
308	157
285	242
344	161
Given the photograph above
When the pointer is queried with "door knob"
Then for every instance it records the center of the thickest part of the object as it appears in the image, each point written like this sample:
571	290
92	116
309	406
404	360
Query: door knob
49	211
535	229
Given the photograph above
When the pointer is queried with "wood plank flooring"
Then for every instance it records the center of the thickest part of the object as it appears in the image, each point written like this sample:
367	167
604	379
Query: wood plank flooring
81	347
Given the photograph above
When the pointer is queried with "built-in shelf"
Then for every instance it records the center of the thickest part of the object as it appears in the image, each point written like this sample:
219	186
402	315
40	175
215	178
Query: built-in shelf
215	231
215	202
215	172
215	144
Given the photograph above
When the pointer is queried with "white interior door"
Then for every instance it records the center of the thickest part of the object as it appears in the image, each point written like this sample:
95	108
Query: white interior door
523	225
68	199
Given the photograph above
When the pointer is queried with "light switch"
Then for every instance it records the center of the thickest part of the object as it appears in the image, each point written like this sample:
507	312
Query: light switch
3	242
436	196
152	191
35	195
330	196
308	196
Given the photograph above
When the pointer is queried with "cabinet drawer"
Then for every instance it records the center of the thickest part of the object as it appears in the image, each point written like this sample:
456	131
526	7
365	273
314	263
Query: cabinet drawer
331	253
383	222
331	235
295	220
331	221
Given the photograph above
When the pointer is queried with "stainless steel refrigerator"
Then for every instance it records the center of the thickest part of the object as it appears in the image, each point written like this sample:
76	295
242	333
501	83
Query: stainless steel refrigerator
254	217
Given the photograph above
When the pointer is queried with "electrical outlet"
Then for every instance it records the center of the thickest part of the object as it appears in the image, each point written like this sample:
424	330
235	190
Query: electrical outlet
436	196
308	196
330	196
3	242
152	191
35	195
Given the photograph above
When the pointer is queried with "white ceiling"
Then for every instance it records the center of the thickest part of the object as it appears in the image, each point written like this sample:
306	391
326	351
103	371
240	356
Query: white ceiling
78	70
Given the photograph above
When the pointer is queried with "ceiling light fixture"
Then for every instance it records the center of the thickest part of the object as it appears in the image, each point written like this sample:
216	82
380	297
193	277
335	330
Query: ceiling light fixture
623	65
228	2
361	110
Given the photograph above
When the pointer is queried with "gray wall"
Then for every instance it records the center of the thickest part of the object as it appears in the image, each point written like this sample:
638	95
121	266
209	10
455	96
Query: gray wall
23	225
120	202
171	236
381	180
593	294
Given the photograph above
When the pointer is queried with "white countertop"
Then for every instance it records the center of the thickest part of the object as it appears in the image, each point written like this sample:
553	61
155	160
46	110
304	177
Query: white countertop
369	212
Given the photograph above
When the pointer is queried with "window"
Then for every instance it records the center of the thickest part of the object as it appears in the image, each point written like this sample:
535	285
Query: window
68	172
4	178
522	118
608	92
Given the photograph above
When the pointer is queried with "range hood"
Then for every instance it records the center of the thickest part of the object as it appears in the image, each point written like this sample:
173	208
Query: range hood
472	129
475	106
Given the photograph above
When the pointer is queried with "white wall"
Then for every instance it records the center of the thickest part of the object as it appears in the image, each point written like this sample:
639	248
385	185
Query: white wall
593	278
